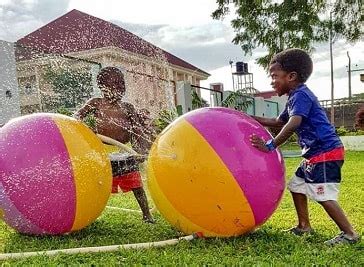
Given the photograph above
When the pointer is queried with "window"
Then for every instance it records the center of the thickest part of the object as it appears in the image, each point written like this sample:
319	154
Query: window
28	89
8	94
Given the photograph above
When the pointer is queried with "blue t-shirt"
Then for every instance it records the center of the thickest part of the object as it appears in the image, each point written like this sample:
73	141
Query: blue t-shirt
315	134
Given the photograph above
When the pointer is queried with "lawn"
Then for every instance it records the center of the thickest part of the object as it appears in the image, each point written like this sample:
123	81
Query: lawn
267	246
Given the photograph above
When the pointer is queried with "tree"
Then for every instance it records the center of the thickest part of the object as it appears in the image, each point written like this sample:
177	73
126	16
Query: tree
197	101
240	99
278	25
72	87
358	96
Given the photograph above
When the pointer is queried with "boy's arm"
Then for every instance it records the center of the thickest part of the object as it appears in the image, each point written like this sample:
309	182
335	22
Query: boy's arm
140	142
293	123
269	122
90	106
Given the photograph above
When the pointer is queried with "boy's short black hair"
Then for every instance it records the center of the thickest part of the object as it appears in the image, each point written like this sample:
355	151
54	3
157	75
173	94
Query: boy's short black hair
296	60
106	71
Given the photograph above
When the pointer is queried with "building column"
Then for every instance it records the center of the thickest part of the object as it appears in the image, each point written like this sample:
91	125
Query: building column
37	85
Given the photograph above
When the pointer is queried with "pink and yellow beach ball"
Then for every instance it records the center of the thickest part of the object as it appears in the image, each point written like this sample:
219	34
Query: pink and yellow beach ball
205	176
54	174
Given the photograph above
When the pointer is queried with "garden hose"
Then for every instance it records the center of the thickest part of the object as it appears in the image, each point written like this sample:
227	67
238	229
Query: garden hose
113	248
109	140
128	210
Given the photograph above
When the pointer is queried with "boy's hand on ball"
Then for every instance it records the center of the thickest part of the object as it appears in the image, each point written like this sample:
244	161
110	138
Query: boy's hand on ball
258	143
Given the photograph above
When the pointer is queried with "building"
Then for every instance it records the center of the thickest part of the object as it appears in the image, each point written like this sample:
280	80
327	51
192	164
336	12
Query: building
9	93
81	41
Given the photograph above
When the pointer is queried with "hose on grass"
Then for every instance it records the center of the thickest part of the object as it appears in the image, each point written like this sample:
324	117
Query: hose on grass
128	210
113	248
22	255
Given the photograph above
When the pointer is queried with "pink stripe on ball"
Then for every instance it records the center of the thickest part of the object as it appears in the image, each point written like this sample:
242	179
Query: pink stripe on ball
35	150
260	175
14	217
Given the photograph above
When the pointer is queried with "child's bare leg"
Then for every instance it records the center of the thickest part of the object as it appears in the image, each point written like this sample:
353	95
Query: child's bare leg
141	197
300	203
337	214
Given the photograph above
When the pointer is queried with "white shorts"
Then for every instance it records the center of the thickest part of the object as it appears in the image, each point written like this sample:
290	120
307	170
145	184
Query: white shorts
319	192
319	181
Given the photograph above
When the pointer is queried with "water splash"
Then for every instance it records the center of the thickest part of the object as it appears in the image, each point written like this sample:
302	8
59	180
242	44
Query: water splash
77	45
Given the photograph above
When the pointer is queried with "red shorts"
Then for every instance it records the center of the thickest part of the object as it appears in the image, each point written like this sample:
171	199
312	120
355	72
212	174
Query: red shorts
126	182
332	155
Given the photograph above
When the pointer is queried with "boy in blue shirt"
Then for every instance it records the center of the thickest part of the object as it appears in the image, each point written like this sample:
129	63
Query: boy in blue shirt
319	174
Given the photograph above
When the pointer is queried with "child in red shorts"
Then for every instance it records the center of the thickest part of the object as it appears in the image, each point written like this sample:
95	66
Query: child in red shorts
120	121
126	176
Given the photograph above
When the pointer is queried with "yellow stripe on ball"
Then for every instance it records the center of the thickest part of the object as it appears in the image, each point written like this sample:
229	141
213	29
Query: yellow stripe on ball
180	164
93	177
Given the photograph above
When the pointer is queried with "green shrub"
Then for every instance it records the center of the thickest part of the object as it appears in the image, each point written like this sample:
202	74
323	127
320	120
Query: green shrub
355	133
90	121
341	131
165	117
359	132
64	111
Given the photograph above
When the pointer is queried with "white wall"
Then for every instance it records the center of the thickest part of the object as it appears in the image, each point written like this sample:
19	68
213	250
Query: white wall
9	106
261	108
355	143
281	100
184	96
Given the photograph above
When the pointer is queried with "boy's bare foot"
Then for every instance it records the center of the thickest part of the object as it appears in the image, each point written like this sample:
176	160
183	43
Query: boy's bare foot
149	220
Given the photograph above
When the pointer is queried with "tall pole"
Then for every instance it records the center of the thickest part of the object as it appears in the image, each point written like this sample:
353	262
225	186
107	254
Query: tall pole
332	75
349	74
232	75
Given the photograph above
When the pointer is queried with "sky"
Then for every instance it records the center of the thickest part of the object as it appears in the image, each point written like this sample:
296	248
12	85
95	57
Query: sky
187	30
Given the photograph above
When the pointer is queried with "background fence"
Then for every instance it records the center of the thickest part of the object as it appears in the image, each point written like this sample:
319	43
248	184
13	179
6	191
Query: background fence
344	111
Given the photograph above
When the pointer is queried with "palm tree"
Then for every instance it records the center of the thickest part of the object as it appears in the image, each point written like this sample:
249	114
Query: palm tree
240	99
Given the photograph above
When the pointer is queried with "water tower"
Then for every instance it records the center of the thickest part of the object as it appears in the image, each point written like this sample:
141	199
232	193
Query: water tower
242	78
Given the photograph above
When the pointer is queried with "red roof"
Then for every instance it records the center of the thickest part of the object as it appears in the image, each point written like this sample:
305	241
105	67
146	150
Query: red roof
267	94
77	31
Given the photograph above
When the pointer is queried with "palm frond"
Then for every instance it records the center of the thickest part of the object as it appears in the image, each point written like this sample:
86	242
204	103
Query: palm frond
240	99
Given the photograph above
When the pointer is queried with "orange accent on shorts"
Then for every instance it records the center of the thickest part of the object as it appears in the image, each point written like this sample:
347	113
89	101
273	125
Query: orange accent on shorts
126	182
332	155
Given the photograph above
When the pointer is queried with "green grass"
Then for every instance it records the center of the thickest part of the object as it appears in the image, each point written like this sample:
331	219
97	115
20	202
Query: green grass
290	147
267	246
